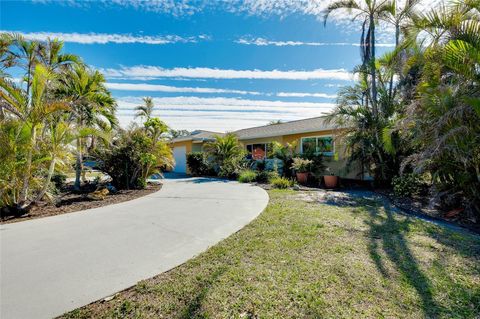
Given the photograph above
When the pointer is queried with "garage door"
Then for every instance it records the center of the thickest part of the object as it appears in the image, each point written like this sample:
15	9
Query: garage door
180	156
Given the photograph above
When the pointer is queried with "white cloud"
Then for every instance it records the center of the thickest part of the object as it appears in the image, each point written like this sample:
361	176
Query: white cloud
297	94
281	8
172	89
145	87
220	114
182	102
153	72
265	42
104	38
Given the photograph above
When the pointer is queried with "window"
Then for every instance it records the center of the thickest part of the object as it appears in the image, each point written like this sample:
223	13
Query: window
257	151
318	145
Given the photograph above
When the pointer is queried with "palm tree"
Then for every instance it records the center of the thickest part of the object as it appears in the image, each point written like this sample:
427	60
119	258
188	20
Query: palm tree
146	109
227	153
370	11
445	115
60	136
32	110
92	106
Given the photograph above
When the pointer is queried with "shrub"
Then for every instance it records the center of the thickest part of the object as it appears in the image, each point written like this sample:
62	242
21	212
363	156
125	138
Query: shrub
227	155
265	176
301	165
281	182
198	164
285	153
132	157
247	176
231	167
317	166
407	185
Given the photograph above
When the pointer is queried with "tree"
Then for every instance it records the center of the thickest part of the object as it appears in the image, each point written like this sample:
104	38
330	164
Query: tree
146	109
227	154
370	11
444	115
33	110
92	106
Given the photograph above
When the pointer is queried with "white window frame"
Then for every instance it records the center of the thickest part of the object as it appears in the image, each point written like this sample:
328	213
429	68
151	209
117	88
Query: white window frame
265	144
317	136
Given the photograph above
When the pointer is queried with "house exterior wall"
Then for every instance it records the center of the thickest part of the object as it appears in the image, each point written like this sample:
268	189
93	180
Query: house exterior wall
188	148
197	147
336	163
187	144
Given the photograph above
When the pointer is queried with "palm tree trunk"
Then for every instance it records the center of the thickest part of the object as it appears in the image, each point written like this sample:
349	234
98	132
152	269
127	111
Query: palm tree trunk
397	41
51	170
28	168
78	165
372	65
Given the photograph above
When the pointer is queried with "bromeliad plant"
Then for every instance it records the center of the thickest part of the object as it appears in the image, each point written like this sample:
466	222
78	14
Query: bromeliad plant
302	168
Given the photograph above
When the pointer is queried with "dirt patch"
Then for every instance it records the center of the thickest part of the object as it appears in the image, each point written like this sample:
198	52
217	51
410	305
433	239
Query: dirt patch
71	202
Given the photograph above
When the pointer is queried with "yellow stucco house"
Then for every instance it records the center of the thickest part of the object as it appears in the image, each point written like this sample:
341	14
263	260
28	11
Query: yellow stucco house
312	134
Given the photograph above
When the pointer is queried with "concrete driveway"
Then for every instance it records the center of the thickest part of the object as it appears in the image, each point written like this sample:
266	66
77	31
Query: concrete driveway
56	264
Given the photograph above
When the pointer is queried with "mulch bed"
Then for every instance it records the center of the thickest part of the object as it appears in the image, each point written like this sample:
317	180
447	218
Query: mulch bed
72	202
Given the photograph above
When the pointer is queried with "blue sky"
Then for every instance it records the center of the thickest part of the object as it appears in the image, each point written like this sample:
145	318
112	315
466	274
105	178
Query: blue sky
208	65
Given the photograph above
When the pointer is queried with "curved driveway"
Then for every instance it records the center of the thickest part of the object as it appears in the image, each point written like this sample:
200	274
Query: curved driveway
56	264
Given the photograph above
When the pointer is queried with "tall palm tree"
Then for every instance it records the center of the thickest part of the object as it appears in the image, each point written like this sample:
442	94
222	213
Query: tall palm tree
146	109
92	106
32	110
370	11
445	114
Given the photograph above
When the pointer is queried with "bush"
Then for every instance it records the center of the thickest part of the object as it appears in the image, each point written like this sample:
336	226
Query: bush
198	164
231	168
317	166
407	185
247	176
281	182
265	176
132	157
227	155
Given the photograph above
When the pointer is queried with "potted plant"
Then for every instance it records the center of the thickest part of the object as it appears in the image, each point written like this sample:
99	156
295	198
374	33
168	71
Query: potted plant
302	169
331	180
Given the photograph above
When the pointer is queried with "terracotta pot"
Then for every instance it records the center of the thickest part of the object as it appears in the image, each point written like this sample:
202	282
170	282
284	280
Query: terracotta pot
331	181
302	177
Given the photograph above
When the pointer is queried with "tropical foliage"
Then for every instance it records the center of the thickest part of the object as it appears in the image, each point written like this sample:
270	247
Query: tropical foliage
56	111
417	109
227	155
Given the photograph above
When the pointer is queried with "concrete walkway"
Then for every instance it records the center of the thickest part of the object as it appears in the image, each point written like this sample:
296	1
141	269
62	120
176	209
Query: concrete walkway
56	264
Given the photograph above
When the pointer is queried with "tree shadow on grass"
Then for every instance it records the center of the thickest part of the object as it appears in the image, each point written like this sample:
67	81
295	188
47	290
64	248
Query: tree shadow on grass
391	233
194	307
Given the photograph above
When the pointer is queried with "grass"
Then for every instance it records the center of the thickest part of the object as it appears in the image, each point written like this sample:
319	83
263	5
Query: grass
310	260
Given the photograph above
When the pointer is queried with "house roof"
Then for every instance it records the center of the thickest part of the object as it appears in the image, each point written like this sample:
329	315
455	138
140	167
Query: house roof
294	127
198	135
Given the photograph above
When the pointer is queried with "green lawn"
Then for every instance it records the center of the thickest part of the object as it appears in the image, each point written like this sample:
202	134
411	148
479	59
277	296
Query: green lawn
310	260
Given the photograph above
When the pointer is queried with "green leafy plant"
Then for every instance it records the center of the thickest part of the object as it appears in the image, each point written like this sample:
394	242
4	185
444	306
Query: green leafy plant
132	157
281	182
247	176
407	185
198	164
265	176
227	155
285	153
